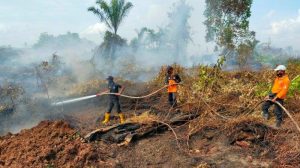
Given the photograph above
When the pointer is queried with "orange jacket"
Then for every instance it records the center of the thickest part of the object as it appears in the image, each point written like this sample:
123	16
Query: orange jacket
172	81
281	86
172	88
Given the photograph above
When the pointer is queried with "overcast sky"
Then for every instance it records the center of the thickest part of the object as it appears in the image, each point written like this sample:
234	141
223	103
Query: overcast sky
22	21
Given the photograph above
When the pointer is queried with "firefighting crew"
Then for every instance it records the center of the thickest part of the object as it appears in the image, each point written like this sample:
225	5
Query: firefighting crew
278	93
116	91
172	80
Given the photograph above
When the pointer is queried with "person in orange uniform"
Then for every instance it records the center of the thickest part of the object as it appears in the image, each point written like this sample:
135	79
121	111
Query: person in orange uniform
279	91
172	80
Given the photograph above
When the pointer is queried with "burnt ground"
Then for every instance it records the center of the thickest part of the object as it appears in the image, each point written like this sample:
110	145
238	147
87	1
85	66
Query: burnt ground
243	143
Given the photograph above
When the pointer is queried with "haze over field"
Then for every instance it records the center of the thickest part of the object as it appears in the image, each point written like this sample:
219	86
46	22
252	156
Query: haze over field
275	20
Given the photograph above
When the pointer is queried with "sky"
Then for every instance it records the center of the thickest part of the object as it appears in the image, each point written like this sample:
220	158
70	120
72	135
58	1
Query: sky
21	22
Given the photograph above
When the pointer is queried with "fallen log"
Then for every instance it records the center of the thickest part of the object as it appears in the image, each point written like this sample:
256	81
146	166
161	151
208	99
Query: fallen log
125	133
111	133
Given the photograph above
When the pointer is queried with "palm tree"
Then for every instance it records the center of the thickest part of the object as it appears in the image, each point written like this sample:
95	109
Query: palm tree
111	14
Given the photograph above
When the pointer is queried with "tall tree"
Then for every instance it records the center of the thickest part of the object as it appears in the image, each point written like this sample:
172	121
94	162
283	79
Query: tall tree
227	23
111	14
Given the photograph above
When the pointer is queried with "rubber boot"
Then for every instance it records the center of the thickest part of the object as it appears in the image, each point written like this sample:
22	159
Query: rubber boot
106	118
122	118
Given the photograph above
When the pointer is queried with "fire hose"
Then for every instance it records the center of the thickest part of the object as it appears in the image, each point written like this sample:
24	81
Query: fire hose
288	113
121	95
137	97
282	107
155	92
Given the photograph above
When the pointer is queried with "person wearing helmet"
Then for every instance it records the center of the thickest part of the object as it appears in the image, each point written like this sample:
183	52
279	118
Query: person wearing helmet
172	80
117	90
278	93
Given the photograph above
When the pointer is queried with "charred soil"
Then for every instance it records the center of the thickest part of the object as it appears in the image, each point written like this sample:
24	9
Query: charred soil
238	139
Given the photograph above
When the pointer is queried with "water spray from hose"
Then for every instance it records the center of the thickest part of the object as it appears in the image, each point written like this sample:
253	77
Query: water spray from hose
73	100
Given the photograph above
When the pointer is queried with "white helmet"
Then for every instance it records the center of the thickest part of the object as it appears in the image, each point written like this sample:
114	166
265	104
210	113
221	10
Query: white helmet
280	68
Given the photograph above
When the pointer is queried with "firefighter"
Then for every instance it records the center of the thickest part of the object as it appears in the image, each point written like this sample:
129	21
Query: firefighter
278	93
117	90
172	80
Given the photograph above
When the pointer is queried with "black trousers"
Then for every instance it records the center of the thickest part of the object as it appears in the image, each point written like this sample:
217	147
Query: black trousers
277	111
172	99
112	102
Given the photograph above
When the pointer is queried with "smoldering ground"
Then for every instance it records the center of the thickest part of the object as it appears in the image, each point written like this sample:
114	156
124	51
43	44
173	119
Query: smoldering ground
48	70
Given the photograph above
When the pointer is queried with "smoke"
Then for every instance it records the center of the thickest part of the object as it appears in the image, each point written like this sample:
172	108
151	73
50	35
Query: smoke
141	58
48	69
42	72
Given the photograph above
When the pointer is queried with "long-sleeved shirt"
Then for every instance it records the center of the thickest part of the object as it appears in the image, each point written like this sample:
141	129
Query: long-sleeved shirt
281	86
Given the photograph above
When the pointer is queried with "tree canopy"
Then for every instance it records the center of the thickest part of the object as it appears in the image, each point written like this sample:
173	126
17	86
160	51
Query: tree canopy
111	14
227	24
227	21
